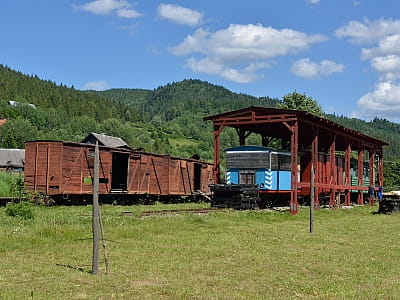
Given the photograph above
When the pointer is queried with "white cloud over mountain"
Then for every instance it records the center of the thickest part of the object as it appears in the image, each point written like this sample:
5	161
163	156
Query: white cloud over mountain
237	52
96	85
314	70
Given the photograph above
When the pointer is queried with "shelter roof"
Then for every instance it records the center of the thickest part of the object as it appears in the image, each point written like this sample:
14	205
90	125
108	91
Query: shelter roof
105	140
273	122
14	158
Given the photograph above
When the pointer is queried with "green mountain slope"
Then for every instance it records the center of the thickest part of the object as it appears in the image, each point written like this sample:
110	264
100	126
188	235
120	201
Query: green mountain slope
180	98
168	119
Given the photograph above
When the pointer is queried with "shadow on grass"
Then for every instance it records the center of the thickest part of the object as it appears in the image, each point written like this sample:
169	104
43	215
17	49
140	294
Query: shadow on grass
74	268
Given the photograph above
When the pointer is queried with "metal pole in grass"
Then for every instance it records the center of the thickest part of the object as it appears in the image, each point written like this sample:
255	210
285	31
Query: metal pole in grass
312	199
95	213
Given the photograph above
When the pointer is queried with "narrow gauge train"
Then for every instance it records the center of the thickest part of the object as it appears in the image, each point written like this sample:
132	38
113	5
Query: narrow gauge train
259	176
64	172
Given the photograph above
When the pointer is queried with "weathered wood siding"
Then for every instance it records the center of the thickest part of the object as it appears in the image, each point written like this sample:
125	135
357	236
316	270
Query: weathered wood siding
58	168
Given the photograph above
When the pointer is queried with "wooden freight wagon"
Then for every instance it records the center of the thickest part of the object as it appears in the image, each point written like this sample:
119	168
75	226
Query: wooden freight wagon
64	170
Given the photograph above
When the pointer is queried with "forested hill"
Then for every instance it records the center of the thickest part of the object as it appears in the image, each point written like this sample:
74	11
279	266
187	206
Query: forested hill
189	96
379	128
168	119
47	95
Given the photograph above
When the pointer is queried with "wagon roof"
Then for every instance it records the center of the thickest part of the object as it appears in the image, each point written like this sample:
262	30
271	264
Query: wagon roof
105	140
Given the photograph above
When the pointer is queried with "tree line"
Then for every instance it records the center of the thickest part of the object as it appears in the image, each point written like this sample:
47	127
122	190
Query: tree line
166	120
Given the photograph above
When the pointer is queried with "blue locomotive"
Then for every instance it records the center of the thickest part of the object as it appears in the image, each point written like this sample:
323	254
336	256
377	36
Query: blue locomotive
267	168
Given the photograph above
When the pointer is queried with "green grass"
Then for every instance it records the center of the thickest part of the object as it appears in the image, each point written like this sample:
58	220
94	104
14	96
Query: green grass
8	184
353	254
182	142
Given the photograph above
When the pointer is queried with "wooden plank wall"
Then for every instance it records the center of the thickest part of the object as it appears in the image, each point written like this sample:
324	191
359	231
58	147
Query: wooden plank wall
54	167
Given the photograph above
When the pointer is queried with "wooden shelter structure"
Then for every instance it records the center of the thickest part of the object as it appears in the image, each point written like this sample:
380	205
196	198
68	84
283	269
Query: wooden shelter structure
302	131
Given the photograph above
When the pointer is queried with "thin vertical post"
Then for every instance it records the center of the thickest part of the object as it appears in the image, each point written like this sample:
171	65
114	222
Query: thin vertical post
333	173
294	171
372	167
314	165
217	154
312	199
360	167
96	213
380	168
347	173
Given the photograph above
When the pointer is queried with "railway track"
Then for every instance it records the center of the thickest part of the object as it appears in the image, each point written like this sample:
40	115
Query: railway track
180	211
5	200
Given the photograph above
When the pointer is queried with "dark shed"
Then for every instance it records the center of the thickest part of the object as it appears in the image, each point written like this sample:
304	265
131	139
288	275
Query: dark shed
12	159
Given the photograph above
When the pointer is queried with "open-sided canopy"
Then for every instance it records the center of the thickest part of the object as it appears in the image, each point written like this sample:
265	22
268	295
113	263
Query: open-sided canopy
272	122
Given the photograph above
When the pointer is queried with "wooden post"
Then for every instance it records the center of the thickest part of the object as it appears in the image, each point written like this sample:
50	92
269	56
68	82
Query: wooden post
333	173
314	165
312	199
360	167
347	173
294	205
95	213
217	154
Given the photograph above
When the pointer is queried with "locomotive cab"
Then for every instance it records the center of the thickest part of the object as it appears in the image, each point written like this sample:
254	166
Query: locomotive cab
267	168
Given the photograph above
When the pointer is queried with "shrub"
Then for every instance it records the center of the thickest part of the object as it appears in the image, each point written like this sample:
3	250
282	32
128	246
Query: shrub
22	209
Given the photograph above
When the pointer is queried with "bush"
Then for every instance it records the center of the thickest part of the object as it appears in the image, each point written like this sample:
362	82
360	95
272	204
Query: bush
21	209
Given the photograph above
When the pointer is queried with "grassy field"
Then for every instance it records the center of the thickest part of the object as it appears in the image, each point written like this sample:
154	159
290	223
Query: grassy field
353	254
9	184
182	142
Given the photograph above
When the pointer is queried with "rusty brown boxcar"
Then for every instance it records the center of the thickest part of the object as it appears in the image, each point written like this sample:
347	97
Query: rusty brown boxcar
64	170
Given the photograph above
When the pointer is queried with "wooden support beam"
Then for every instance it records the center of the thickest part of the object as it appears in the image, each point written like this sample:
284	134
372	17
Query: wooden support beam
315	167
380	167
333	172
371	167
265	140
243	134
360	167
294	205
217	155
347	168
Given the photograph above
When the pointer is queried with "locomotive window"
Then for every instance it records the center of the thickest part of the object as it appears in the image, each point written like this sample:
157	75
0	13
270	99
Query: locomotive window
247	177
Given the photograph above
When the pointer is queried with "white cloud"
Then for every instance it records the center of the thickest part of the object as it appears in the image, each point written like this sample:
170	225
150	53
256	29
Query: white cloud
368	32
313	1
238	51
384	101
96	85
179	14
120	8
313	70
212	67
388	66
386	45
383	39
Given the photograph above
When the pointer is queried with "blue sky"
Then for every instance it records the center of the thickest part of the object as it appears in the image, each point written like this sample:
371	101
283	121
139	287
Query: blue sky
343	53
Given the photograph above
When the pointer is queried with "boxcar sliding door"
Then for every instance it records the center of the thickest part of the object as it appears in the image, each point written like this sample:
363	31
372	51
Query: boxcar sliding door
119	169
